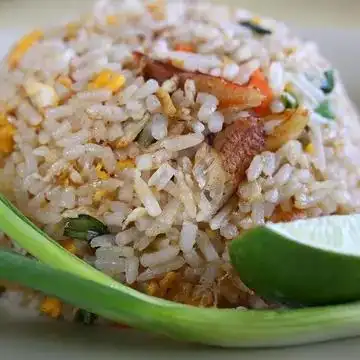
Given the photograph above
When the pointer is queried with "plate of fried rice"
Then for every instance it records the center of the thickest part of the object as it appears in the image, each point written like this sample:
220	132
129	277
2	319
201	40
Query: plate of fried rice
165	130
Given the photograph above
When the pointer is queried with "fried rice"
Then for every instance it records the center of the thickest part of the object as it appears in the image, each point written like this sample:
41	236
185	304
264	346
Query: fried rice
176	127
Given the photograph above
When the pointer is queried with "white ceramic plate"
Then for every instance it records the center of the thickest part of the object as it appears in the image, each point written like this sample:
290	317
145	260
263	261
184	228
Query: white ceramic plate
33	338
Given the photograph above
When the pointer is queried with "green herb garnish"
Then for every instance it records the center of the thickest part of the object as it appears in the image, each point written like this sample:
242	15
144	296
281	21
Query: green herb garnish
324	109
255	28
328	83
84	227
85	317
61	274
289	100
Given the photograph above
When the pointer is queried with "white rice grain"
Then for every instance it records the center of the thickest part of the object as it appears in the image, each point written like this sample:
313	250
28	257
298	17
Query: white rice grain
159	257
146	196
188	236
182	142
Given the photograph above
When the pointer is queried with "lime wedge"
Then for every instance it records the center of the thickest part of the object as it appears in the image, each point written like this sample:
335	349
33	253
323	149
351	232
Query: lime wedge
309	262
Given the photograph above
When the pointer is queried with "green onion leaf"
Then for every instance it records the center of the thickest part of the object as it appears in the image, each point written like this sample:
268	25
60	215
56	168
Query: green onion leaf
85	317
328	84
289	100
324	109
84	227
221	327
145	138
255	28
72	280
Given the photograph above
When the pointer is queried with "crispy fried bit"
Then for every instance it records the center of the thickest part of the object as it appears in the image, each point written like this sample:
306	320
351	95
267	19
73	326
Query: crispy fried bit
166	102
65	81
185	47
51	307
153	288
125	164
72	30
228	93
69	245
157	9
281	216
292	126
7	132
167	282
310	149
100	173
238	144
112	20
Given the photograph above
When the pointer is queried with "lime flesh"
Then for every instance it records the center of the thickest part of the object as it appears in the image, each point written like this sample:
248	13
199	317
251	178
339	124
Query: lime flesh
308	262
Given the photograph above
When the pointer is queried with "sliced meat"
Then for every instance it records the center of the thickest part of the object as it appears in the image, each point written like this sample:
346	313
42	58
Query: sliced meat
228	93
238	144
155	69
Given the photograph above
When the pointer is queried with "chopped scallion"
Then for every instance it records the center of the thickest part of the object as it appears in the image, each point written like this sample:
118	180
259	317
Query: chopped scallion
289	100
84	227
328	83
324	109
85	317
255	28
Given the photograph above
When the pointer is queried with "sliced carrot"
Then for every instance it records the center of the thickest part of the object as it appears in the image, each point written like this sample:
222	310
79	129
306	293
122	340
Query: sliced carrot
186	47
258	81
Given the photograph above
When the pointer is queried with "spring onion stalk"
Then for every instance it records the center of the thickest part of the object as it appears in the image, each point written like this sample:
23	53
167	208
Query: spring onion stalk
227	328
18	227
63	275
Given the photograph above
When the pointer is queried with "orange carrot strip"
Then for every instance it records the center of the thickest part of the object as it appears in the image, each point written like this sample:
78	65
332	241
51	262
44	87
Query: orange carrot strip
186	47
258	81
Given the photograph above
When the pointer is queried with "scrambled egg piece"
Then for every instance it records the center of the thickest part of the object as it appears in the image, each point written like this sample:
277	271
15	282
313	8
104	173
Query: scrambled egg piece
107	79
23	46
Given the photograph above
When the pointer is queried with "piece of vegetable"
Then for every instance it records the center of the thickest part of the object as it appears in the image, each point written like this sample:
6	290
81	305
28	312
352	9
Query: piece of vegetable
84	227
328	83
313	262
255	28
324	109
292	126
259	82
85	317
76	282
221	327
289	100
186	47
228	93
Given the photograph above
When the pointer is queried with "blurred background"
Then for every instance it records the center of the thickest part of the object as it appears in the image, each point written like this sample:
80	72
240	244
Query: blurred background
333	24
340	13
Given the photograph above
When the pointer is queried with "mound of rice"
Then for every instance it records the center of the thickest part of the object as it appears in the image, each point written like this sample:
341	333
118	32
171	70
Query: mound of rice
177	125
